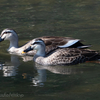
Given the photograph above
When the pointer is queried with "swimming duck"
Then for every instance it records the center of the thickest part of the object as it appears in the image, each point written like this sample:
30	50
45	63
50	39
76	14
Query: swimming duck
51	42
60	56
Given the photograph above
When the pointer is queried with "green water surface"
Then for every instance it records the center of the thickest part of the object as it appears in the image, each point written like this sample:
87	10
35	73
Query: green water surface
35	18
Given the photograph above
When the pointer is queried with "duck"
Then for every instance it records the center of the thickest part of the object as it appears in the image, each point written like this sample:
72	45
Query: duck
51	42
60	56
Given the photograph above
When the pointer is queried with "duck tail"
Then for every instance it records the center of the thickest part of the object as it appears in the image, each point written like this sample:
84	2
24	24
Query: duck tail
80	45
84	46
96	56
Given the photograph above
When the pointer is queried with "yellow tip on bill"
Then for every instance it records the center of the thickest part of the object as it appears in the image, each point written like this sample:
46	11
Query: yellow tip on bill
23	52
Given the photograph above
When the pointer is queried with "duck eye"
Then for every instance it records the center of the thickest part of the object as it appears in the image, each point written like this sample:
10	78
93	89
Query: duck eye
6	32
34	43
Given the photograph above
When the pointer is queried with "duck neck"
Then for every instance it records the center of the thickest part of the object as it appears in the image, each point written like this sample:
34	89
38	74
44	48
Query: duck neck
13	43
40	52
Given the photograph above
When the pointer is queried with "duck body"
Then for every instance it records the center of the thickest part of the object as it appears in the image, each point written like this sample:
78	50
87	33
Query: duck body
61	56
51	42
67	56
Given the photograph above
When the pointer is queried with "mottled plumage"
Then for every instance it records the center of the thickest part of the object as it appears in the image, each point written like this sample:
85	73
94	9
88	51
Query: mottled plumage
67	56
62	56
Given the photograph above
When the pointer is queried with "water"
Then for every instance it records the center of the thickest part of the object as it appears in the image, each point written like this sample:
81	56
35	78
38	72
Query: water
22	79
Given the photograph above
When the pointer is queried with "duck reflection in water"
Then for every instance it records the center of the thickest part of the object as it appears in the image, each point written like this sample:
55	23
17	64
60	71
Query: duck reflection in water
10	69
40	76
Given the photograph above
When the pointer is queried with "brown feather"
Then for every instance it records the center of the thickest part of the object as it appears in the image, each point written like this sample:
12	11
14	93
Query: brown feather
68	56
53	42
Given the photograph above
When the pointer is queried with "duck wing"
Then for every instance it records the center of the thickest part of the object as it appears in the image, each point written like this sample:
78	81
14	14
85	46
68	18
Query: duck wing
54	42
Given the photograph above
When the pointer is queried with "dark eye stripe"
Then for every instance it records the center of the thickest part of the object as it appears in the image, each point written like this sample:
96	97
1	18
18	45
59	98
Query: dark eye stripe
8	32
5	33
35	43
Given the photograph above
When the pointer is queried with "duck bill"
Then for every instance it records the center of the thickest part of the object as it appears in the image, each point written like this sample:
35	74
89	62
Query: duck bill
1	39
28	49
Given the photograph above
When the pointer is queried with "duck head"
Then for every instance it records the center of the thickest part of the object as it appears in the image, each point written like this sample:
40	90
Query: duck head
8	34
37	45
